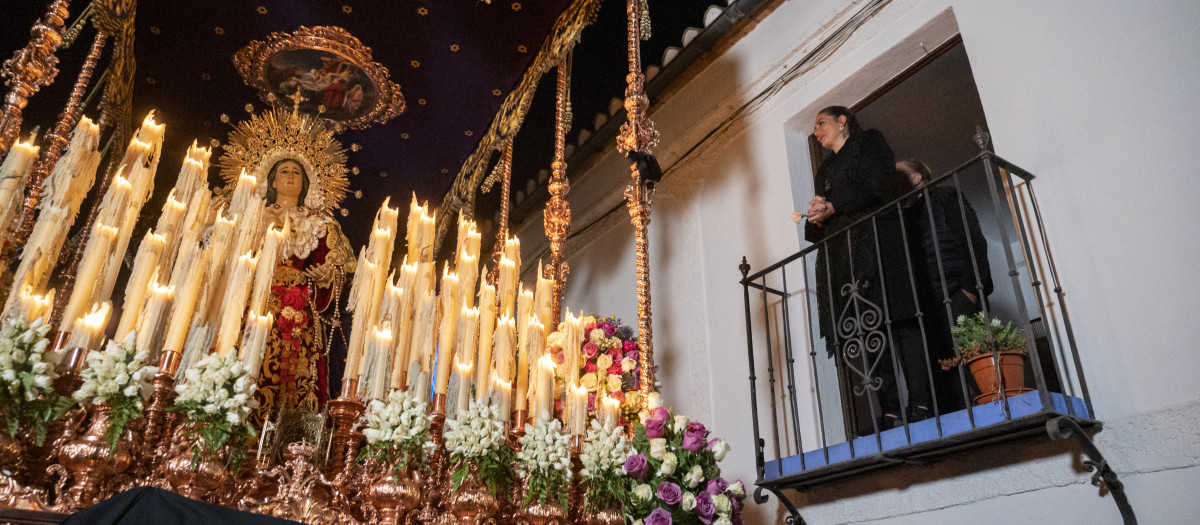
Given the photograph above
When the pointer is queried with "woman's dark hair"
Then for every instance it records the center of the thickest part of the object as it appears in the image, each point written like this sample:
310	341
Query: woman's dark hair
843	111
270	197
919	167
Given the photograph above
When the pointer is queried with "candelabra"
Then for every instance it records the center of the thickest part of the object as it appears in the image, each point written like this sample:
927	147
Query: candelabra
345	412
437	482
158	420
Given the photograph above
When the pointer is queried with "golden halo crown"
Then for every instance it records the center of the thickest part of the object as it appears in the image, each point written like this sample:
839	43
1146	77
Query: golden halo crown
255	145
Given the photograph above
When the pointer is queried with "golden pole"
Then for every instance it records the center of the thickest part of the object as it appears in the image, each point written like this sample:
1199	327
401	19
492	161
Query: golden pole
29	69
638	135
557	215
505	168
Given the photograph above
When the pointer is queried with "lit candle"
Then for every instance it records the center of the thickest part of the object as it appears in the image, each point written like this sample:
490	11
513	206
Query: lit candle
169	226
95	255
572	340
145	268
544	388
268	260
448	329
13	172
610	408
464	386
233	303
254	342
468	337
468	273
186	279
428	236
413	228
524	310
543	301
504	351
522	379
504	393
34	307
88	330
382	344
577	410
245	189
423	332
535	342
151	317
507	288
487	326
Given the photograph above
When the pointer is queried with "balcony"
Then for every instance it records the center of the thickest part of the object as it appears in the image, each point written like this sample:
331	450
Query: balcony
849	332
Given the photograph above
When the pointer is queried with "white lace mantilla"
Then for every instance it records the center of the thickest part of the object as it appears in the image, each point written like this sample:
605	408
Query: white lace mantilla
308	226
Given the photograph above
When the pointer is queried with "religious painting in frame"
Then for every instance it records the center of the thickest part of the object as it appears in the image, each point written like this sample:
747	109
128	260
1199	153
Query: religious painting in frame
330	70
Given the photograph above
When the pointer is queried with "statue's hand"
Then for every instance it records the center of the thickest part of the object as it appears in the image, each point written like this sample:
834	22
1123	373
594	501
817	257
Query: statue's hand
322	274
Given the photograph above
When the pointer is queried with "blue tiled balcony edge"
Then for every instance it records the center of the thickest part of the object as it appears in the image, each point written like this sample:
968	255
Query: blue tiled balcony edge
953	423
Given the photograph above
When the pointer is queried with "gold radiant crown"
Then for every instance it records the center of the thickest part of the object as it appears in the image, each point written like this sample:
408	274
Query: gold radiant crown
276	134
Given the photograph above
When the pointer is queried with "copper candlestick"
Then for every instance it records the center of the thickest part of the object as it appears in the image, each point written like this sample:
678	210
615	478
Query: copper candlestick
437	483
157	420
576	514
345	412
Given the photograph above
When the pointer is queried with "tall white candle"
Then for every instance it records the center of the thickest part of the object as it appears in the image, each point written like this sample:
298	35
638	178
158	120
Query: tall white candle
448	330
254	342
145	268
544	396
95	256
88	331
150	320
543	300
233	304
487	327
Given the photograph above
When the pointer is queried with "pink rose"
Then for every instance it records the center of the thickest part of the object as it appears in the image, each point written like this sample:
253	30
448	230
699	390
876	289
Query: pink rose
629	346
591	350
590	367
615	354
615	369
655	427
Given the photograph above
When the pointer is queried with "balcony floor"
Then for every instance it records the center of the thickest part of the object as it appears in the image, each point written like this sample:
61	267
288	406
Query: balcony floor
814	463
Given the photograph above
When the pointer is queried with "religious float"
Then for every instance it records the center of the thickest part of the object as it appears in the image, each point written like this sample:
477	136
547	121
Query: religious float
468	396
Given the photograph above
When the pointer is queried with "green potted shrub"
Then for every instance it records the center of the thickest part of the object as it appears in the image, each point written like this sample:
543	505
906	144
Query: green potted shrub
993	351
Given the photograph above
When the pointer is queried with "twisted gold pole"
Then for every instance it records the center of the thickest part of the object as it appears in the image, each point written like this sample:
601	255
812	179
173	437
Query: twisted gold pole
55	143
638	135
29	69
502	225
557	215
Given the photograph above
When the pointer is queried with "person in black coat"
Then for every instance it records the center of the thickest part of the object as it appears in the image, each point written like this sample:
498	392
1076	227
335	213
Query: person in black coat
865	299
950	264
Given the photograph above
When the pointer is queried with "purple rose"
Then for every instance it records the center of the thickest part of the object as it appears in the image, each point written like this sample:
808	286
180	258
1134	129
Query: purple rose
705	508
717	486
660	413
737	520
659	516
693	437
609	329
637	466
632	354
655	427
669	493
735	504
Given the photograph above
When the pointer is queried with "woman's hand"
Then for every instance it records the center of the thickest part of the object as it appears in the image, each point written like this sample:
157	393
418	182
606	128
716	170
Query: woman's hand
820	210
321	274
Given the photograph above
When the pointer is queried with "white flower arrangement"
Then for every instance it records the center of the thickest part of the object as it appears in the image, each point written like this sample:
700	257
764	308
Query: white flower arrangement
604	451
476	438
477	432
26	395
545	457
603	458
217	395
119	377
117	372
398	429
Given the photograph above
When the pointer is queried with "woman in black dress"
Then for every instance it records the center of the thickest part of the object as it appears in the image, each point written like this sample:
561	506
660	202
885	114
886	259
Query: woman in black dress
865	298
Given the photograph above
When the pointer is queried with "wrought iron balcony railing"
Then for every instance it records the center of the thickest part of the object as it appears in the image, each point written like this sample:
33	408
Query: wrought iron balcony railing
849	332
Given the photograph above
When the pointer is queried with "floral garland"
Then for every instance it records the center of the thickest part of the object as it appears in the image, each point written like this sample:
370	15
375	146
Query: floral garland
477	437
545	457
609	364
119	377
27	398
217	396
604	455
397	430
676	474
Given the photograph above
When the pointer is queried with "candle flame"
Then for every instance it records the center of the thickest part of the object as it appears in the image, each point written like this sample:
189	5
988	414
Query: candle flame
96	318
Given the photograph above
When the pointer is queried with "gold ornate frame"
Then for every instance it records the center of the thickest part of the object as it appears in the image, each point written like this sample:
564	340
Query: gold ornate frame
251	62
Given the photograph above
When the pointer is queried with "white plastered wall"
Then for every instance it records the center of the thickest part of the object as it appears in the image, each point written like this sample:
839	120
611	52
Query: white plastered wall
1096	98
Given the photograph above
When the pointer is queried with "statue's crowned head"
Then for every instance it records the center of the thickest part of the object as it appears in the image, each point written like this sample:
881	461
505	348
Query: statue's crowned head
278	140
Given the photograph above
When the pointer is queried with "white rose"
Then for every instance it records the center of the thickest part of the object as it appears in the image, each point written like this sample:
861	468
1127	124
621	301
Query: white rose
658	448
643	492
681	423
233	417
721	501
627	364
722	520
130	391
737	489
694	476
669	462
719	449
688	502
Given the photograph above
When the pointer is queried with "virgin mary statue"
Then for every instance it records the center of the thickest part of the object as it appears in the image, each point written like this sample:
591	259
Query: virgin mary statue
301	174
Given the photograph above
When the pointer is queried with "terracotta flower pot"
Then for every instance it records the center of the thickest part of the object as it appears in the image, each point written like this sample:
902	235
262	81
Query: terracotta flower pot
1011	368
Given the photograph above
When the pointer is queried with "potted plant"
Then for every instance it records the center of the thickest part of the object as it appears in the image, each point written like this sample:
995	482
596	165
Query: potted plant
994	352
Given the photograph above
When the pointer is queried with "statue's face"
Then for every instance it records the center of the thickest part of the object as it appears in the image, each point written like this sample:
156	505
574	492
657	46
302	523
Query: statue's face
289	180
